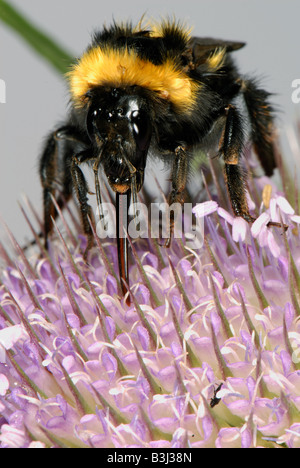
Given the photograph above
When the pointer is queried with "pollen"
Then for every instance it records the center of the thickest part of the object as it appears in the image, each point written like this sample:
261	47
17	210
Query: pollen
123	67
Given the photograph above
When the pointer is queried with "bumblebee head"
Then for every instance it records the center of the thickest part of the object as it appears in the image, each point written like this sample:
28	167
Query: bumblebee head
119	126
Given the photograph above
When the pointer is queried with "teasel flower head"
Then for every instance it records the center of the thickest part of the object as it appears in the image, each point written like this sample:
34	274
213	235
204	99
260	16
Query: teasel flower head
206	355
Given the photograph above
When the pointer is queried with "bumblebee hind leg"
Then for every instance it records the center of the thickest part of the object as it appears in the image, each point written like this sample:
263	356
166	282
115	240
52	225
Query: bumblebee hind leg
262	124
231	146
179	177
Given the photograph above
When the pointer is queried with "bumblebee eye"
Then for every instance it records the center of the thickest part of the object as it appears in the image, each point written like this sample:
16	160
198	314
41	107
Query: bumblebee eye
141	126
93	113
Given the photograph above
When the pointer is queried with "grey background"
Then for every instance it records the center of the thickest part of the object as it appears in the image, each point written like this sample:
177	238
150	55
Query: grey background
36	95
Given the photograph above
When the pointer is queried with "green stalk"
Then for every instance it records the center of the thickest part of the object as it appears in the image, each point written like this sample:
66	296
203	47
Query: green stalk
44	45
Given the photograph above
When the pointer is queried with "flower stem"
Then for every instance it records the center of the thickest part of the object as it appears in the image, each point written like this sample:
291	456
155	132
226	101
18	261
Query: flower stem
45	46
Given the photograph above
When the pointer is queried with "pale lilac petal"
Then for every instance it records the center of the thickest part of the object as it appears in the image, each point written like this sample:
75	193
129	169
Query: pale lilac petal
295	219
207	426
263	236
292	436
273	246
12	437
37	444
274	211
225	215
10	335
4	384
284	205
259	223
205	208
250	202
69	363
239	229
179	439
228	438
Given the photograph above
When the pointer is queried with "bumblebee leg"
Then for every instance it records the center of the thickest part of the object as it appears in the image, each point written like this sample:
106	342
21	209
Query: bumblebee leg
231	148
179	176
81	190
262	124
49	175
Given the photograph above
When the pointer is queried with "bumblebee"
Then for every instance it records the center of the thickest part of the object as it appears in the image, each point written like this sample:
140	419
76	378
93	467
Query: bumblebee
139	90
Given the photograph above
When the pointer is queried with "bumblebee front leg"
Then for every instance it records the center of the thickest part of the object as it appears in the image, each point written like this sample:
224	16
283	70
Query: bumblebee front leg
179	177
49	174
48	166
231	146
81	190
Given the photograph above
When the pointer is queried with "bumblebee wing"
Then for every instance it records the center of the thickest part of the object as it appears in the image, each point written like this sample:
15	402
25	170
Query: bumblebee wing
206	45
203	47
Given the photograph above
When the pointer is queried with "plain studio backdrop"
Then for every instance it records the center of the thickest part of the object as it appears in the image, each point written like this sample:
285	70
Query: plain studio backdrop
36	96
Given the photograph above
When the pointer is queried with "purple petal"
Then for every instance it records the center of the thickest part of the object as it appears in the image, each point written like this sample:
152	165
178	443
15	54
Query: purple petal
110	365
4	384
246	438
289	314
283	265
110	327
286	362
143	336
